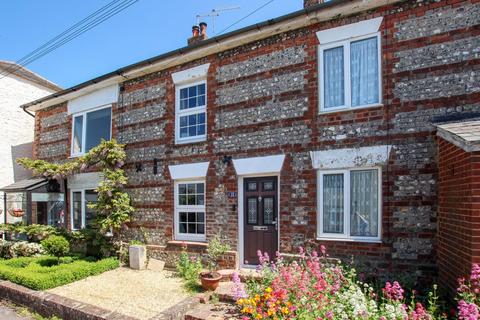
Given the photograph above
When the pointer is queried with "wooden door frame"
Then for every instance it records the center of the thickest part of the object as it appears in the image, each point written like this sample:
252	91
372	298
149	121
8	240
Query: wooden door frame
241	234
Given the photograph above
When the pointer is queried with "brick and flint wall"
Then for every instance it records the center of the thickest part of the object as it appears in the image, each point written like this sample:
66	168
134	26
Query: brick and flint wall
263	100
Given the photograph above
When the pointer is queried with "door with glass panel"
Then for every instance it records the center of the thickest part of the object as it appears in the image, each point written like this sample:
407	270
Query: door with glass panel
260	196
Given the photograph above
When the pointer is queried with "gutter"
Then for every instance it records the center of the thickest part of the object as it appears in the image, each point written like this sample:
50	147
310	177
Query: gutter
137	69
24	108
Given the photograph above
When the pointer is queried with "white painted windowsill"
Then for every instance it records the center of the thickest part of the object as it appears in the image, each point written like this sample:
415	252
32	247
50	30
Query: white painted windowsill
376	105
349	240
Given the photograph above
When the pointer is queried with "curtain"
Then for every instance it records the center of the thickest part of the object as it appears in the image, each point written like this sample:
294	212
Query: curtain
333	209
364	71
364	203
333	80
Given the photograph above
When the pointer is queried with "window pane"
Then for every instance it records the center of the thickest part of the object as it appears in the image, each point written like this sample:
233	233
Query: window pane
333	210
98	127
77	210
183	217
364	71
364	203
182	188
77	134
200	187
252	215
268	210
90	197
333	78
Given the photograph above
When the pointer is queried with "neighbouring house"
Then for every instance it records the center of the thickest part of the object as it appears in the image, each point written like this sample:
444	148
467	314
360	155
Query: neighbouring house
18	85
318	127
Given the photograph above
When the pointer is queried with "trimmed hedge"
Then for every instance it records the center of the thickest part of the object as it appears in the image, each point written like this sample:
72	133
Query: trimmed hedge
43	273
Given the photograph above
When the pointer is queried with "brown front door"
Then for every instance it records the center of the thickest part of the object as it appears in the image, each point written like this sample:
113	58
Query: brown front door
260	203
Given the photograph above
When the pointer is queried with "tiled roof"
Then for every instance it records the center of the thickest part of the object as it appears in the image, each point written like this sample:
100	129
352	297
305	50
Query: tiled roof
463	134
24	185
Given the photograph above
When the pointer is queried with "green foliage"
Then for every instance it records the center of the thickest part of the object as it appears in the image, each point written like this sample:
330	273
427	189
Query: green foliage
113	206
215	250
11	249
57	246
136	243
188	268
45	273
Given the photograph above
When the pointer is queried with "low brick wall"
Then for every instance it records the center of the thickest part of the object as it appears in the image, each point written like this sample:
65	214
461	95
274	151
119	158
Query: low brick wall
172	250
49	304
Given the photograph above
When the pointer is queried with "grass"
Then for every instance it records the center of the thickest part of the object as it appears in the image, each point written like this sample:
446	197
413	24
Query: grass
25	312
44	272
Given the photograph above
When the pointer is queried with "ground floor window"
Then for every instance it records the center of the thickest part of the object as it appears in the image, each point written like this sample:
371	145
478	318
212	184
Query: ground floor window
190	210
349	204
81	215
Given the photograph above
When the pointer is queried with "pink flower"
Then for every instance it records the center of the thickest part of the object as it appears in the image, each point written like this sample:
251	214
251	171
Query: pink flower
419	313
393	292
468	311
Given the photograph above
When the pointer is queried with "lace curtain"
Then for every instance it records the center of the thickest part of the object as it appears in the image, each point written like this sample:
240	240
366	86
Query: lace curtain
364	203
333	210
333	80
364	71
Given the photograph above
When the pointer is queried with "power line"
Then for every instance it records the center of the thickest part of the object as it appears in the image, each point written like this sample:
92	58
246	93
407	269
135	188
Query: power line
248	15
73	32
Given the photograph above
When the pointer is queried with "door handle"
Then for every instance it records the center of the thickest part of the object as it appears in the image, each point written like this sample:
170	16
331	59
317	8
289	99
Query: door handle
274	222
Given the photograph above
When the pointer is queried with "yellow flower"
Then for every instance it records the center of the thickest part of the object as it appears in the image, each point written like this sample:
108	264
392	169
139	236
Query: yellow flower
257	297
270	312
268	290
240	301
285	310
258	316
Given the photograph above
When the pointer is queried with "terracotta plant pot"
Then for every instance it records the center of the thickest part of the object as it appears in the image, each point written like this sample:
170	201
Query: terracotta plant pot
16	212
210	280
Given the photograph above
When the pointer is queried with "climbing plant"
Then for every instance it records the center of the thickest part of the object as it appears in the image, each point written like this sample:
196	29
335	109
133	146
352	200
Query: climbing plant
113	207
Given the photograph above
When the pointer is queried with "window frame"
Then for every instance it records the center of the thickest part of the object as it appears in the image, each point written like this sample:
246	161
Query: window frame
189	208
347	76
83	205
180	113
345	236
83	114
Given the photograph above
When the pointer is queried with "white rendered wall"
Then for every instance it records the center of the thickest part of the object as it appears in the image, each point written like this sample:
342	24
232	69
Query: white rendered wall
16	128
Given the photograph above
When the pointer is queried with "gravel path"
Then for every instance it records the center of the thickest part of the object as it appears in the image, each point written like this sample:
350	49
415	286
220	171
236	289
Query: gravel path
141	294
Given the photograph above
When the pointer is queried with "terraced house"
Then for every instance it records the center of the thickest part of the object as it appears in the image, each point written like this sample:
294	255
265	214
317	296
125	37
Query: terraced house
318	127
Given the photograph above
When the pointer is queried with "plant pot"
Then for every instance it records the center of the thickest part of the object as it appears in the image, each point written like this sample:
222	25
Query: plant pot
210	280
137	256
17	213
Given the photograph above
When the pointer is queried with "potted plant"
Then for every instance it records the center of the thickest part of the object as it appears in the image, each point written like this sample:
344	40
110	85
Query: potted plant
17	213
137	255
215	250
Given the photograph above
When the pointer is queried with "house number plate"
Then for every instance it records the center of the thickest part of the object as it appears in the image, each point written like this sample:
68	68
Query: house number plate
260	228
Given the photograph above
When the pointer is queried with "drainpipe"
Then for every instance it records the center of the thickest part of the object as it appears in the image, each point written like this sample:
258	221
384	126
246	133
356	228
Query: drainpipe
27	112
4	213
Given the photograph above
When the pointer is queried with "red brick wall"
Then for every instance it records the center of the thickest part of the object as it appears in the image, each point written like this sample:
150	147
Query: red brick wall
458	212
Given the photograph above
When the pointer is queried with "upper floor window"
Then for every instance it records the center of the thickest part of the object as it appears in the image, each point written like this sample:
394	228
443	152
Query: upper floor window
89	128
350	66
191	104
191	112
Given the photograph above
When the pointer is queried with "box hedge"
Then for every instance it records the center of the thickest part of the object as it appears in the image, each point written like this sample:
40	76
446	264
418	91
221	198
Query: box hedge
43	273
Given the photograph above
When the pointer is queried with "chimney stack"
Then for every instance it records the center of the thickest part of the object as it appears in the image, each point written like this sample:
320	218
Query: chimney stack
199	33
311	3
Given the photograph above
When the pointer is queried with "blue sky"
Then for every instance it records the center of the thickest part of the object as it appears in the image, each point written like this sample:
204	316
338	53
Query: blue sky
146	29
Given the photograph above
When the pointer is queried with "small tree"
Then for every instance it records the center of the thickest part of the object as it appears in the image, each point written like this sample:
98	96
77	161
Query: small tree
215	250
57	246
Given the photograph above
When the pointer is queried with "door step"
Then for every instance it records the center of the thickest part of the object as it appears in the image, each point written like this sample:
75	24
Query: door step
217	311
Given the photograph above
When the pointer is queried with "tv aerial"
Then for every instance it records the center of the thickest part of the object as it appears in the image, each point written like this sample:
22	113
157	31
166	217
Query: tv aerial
213	14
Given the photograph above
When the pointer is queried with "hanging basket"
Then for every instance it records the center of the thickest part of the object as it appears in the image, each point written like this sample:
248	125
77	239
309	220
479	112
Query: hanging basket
16	212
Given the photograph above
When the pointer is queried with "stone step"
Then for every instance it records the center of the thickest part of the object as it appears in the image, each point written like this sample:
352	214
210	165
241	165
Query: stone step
210	311
226	292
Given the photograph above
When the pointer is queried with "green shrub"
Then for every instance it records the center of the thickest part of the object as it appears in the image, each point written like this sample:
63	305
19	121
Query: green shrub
44	272
57	246
188	269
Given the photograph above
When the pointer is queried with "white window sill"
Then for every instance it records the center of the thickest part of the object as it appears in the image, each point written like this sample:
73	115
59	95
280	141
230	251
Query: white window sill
349	240
192	140
187	239
376	105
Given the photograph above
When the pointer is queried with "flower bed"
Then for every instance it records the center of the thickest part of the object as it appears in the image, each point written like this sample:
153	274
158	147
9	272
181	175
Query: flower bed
313	287
42	273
